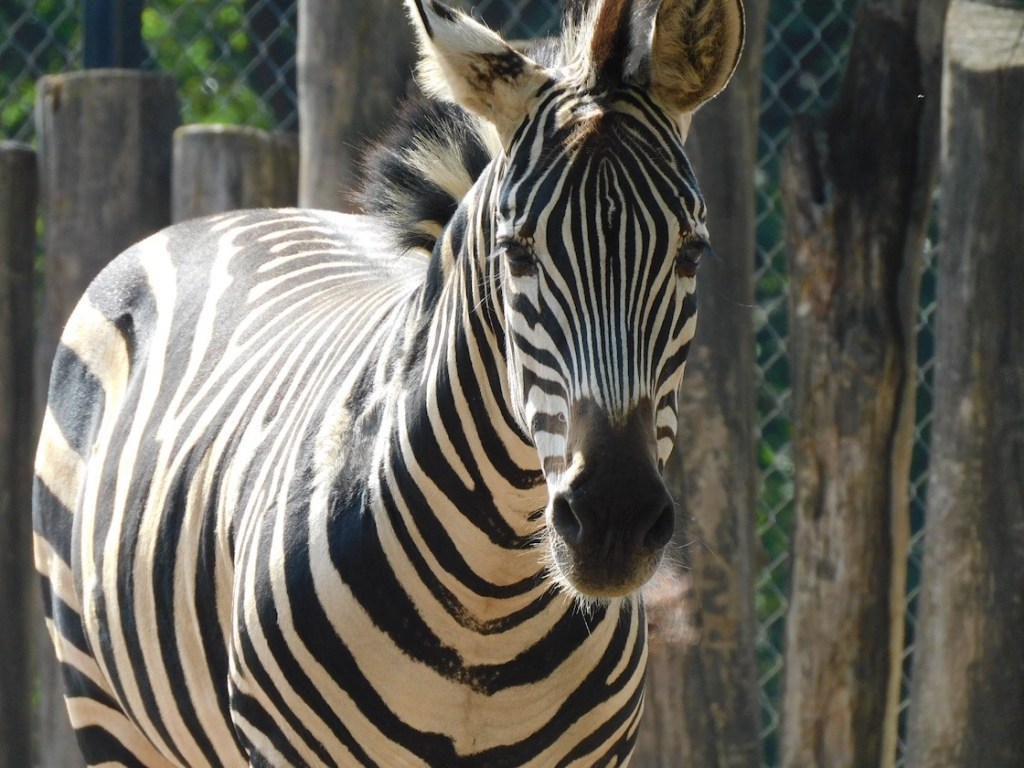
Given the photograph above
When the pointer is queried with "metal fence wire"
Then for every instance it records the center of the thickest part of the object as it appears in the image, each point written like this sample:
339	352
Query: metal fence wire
38	39
235	61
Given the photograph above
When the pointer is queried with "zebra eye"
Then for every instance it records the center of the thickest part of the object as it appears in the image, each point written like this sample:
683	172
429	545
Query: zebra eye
520	258
688	258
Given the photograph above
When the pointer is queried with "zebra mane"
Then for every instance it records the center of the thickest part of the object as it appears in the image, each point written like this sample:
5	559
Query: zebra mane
415	177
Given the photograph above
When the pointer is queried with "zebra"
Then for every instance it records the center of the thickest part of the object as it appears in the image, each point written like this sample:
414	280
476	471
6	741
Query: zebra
317	488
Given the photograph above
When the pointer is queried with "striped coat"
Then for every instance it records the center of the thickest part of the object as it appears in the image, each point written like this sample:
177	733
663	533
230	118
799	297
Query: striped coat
325	489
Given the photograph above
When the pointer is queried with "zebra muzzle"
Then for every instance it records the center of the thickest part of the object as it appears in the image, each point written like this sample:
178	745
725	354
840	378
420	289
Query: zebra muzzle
611	523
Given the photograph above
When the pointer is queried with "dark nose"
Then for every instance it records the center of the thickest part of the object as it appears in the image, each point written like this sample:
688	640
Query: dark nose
615	510
610	525
618	503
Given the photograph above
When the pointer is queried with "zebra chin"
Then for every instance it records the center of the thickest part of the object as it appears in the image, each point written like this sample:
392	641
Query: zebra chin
592	577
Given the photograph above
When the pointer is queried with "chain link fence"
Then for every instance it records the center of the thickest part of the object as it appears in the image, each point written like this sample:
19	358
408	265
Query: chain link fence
235	62
42	38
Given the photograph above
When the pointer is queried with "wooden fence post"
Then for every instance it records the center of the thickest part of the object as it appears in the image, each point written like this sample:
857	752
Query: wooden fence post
354	60
702	697
19	194
856	189
221	168
105	172
967	704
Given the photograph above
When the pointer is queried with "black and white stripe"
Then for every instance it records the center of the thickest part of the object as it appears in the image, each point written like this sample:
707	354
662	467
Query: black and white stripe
308	497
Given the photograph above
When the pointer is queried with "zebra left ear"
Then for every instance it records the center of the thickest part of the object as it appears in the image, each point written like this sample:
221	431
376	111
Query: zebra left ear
465	62
694	51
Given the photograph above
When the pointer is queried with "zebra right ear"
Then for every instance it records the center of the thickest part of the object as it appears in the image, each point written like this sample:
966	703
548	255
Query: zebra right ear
465	62
695	49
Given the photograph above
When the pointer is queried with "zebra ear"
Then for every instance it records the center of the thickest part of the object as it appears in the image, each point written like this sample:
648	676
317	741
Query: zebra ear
465	62
695	48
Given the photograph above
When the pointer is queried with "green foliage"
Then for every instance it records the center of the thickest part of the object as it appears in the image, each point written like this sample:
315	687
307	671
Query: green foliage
42	38
17	109
206	45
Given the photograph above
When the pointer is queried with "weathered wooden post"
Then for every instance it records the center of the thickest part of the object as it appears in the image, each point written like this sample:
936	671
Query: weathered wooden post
221	168
856	189
354	60
702	699
19	195
967	703
105	172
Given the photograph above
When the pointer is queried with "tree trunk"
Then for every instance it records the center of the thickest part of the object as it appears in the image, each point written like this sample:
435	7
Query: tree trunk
19	196
967	706
221	168
354	62
856	189
105	171
702	700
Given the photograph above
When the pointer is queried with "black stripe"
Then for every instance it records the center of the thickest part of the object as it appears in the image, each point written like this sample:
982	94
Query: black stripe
52	520
295	675
99	747
75	400
164	587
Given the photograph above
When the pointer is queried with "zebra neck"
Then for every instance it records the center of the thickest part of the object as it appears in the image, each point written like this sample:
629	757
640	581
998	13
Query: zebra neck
456	477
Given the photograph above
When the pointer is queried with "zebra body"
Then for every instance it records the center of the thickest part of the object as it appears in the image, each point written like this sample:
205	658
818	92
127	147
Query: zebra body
306	496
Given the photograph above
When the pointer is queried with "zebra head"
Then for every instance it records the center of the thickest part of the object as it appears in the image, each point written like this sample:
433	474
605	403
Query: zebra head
594	232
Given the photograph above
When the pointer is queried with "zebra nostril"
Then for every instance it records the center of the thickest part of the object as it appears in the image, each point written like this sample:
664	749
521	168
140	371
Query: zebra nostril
565	521
659	534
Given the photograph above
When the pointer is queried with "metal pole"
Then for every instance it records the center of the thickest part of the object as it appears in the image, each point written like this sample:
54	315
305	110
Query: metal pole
113	34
